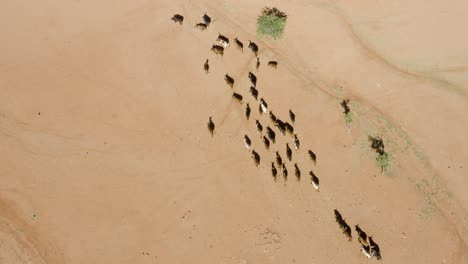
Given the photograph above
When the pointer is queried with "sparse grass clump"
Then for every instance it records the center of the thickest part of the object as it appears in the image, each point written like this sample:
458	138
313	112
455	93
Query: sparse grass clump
383	160
348	118
271	23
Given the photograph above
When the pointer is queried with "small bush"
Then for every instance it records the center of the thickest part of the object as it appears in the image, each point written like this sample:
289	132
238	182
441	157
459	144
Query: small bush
271	23
384	161
348	118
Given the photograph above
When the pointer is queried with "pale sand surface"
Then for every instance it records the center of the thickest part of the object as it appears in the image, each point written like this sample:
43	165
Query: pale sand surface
119	166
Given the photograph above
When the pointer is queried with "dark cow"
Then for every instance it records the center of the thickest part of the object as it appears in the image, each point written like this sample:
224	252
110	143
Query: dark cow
259	126
338	217
257	65
315	180
222	39
272	117
297	172
178	18
263	105
239	44
346	229
288	152
273	64
312	156
345	106
292	116
256	158
271	134
285	172
211	126
289	128
206	66
247	142
266	142
279	160
296	142
254	92
206	19
253	79
274	172
237	96
366	250
362	236
253	47
281	126
247	111
377	144
229	80
218	50
201	26
374	249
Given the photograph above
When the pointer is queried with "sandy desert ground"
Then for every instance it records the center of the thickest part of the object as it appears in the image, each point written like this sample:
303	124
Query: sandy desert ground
106	156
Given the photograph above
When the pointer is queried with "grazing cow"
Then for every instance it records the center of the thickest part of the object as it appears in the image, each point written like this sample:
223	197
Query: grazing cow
201	26
274	172
247	111
237	96
366	251
253	47
345	106
206	66
257	65
289	128
362	236
178	18
256	158
288	152
223	40
346	229
254	92
315	180
374	249
206	19
272	117
338	217
285	172
297	172
266	142
281	126
292	116
239	44
218	50
273	64
312	156
247	142
229	80
253	79
211	126
263	105
377	144
279	160
296	142
271	134
259	126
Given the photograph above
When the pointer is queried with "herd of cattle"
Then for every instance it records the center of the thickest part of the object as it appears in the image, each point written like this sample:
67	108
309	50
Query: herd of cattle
268	135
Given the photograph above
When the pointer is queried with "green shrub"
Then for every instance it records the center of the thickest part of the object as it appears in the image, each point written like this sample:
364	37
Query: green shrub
348	118
271	23
384	161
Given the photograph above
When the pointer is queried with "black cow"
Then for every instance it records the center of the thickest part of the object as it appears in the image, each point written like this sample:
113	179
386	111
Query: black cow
247	142
338	216
296	142
256	158
253	79
285	172
247	111
281	126
279	160
315	180
292	116
263	105
289	128
206	66
259	126
272	117
253	47
288	152
254	92
239	44
366	250
229	80
222	38
312	156
377	144
178	18
218	50
237	96
274	172
362	236
273	64
271	134
266	142
374	249
211	126
206	19
297	172
345	106
201	26
257	65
